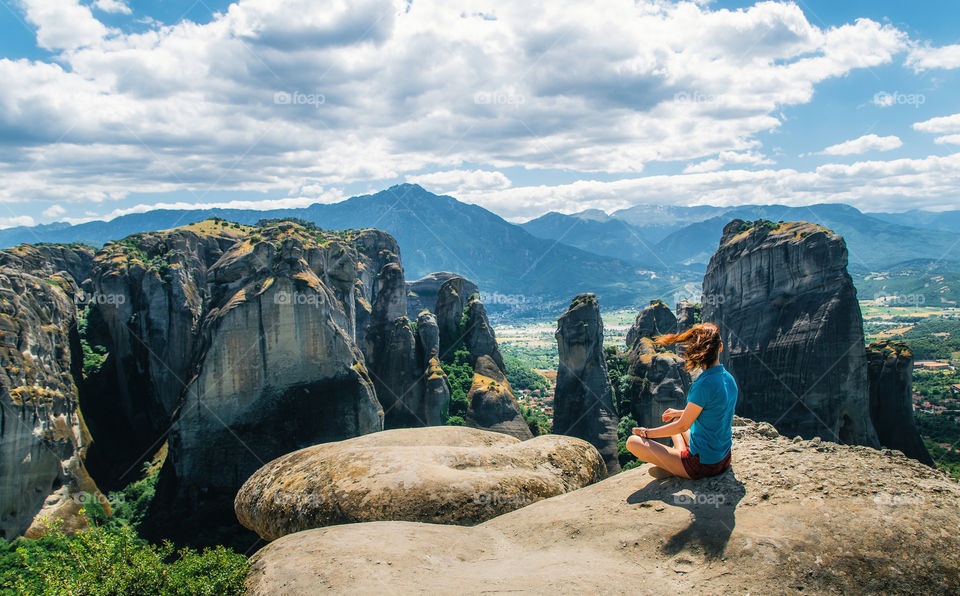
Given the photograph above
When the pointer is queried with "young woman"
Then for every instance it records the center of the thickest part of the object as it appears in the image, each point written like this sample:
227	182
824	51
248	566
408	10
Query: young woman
702	431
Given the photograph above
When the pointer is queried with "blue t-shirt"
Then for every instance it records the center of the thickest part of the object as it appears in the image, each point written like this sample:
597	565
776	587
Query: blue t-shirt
711	433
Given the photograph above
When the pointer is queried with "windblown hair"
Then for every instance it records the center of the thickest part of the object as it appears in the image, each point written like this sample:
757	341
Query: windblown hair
701	344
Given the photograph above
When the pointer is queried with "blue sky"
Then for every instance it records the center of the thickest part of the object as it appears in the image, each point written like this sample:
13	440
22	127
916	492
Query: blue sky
113	106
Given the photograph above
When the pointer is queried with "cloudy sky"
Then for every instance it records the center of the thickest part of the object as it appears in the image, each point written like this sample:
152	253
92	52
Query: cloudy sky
113	106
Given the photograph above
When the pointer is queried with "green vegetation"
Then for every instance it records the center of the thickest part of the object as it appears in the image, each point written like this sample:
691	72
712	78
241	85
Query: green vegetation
93	356
532	356
109	558
521	377
624	430
538	422
459	379
763	224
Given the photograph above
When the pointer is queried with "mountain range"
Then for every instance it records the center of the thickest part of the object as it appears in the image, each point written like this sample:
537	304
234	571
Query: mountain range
627	257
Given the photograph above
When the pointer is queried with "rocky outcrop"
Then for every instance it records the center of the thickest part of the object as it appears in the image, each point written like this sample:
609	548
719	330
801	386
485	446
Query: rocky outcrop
478	335
146	303
391	352
276	371
890	371
688	315
792	330
583	400
43	438
791	516
439	475
451	300
422	293
436	392
655	319
491	403
657	381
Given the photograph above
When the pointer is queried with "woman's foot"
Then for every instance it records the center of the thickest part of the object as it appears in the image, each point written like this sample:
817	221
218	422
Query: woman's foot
659	473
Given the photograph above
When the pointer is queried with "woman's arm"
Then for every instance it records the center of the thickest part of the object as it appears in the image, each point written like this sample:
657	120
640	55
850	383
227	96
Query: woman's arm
678	426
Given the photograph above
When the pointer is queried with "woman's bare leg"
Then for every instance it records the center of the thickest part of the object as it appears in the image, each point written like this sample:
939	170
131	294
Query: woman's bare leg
659	455
679	442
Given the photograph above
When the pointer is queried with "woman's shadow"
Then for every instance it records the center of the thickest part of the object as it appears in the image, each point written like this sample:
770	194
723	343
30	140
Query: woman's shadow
713	503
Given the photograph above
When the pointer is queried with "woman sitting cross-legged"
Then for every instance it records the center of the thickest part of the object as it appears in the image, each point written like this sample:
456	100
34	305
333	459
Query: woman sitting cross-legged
702	431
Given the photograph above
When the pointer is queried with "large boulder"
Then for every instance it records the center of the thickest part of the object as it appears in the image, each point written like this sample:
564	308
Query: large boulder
491	403
451	300
655	319
439	475
792	329
583	399
790	517
890	370
43	438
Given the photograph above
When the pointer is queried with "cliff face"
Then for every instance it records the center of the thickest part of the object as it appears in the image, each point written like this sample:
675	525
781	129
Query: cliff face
890	371
792	329
583	401
276	370
492	405
43	438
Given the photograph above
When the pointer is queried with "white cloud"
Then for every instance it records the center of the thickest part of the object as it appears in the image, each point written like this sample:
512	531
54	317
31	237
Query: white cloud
63	24
407	88
461	180
948	139
18	220
870	142
926	57
727	157
929	182
112	6
54	211
941	124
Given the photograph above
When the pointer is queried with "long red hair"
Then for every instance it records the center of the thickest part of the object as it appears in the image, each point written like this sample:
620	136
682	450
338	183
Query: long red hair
701	344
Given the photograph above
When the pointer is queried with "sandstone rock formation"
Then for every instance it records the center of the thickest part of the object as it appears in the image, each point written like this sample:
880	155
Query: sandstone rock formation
43	438
422	293
655	319
478	335
492	405
790	516
890	371
440	475
451	300
436	392
792	329
658	380
583	400
276	371
688	315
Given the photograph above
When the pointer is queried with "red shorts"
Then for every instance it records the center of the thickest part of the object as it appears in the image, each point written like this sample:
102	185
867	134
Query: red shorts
695	469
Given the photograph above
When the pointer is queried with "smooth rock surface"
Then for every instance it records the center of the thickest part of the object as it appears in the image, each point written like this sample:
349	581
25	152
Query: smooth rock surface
441	475
788	518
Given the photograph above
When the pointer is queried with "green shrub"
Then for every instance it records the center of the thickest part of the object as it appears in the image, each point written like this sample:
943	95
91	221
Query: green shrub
456	421
102	561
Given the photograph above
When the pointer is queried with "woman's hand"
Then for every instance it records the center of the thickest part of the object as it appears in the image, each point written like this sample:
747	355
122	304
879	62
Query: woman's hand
640	432
671	414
